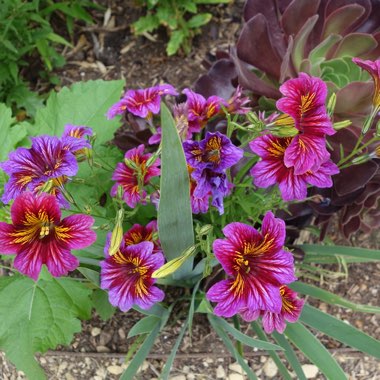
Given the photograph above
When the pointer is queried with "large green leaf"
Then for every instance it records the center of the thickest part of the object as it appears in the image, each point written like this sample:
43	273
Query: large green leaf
175	220
340	331
9	135
84	103
313	349
36	316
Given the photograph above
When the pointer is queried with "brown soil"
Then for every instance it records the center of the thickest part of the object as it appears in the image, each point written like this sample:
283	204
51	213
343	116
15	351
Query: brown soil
110	51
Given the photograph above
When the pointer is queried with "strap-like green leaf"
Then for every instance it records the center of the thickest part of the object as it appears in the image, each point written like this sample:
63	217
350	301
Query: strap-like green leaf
339	330
175	220
313	349
144	326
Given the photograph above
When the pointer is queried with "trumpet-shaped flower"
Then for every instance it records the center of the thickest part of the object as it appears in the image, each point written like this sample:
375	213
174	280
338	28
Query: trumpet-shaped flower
142	102
47	159
373	68
127	275
256	265
215	152
304	100
38	236
138	233
272	169
74	138
290	312
133	174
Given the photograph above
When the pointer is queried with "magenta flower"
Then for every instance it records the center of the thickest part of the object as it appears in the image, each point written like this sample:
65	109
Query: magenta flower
74	138
142	102
373	68
257	266
304	100
200	110
38	236
290	312
272	170
138	233
215	152
127	275
236	104
133	175
47	159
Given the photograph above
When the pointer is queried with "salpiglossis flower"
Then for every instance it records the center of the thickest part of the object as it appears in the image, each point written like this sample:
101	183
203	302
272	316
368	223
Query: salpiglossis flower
143	102
304	101
74	139
47	159
127	275
272	169
133	175
38	236
256	265
138	233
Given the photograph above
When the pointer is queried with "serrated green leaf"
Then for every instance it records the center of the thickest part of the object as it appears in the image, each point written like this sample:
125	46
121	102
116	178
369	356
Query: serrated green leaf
199	20
84	103
313	349
339	330
175	220
45	315
146	24
331	298
144	326
175	42
9	135
102	304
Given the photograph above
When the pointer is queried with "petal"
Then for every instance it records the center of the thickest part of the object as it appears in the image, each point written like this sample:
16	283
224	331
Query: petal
29	261
249	315
273	231
6	241
273	321
293	186
225	252
155	295
267	172
75	231
240	233
59	260
322	177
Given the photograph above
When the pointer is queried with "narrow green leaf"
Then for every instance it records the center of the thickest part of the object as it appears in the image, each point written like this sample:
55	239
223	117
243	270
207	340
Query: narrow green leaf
313	349
231	348
58	39
141	354
339	330
199	20
91	275
337	250
247	340
175	42
290	355
192	306
280	365
144	326
331	298
175	220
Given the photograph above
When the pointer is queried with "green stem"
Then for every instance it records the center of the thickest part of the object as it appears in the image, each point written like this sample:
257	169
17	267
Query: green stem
357	149
239	346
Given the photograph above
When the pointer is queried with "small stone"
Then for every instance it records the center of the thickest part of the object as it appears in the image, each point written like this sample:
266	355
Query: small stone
97	378
178	377
235	376
270	369
42	360
62	366
190	376
95	331
102	349
220	372
144	366
236	367
310	370
69	376
185	369
115	369
121	334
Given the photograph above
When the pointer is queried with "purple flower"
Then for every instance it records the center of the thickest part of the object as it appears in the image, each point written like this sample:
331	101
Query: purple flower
236	104
127	275
74	140
256	265
47	159
156	138
133	175
38	236
215	152
199	197
304	100
272	169
142	102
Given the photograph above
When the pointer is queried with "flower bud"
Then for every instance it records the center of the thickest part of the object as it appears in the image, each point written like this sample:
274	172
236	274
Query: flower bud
331	104
342	124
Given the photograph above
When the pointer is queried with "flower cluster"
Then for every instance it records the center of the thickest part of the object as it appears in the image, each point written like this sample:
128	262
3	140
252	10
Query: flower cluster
38	236
134	174
295	162
127	275
259	270
208	160
47	165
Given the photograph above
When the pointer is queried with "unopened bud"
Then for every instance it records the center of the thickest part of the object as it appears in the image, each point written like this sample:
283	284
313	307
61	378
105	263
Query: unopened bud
342	124
206	229
331	104
378	129
120	192
46	187
117	233
361	159
286	131
130	163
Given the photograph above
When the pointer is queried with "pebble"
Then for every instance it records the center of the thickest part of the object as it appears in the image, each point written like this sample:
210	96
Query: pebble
178	377
310	370
121	334
102	349
270	369
190	376
236	367
69	376
235	376
220	372
115	369
95	331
